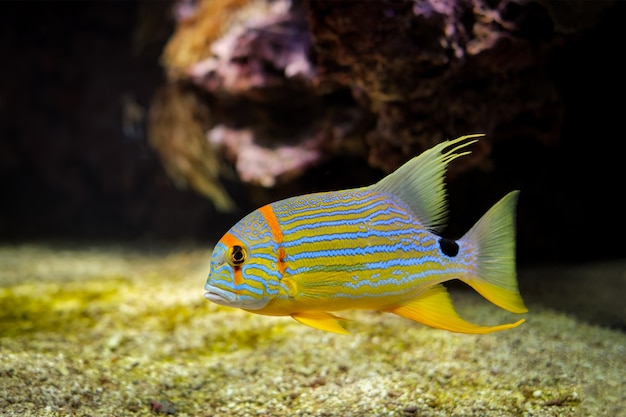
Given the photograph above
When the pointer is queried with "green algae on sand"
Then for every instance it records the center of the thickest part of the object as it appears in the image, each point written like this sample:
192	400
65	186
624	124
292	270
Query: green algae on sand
114	330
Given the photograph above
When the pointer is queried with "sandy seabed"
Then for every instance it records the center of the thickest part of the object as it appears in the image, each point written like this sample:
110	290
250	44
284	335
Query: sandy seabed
124	330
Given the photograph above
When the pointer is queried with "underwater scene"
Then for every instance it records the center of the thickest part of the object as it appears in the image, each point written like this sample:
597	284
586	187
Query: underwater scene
263	208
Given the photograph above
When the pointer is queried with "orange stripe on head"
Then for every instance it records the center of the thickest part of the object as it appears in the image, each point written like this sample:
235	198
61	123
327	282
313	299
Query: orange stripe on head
230	241
272	221
270	218
282	265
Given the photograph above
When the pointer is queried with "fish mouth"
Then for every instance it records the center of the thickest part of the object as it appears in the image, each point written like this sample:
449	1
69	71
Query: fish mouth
219	296
230	299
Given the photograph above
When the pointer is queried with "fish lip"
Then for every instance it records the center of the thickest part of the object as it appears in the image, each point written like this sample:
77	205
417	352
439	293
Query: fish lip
219	296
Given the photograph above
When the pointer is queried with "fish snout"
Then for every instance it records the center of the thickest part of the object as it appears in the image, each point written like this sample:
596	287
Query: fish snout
219	296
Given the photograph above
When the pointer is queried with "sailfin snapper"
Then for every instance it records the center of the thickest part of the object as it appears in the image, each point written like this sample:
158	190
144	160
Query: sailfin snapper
372	248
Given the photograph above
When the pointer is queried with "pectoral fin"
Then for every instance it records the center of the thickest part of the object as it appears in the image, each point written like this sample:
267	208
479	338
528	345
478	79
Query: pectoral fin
434	308
320	320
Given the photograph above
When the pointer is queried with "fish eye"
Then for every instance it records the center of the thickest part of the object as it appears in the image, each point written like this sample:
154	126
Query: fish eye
237	255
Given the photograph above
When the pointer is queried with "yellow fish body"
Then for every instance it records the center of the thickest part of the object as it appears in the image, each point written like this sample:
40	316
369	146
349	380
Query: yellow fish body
373	248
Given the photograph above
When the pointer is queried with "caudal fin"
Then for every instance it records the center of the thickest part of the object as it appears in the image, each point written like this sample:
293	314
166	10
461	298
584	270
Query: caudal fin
494	237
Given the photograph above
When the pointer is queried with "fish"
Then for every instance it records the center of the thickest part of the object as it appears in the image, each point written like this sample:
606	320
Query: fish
370	248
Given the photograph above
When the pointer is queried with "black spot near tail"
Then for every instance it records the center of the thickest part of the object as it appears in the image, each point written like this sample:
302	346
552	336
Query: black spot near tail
448	247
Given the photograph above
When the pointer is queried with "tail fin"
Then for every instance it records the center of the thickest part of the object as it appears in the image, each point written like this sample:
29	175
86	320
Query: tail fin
494	237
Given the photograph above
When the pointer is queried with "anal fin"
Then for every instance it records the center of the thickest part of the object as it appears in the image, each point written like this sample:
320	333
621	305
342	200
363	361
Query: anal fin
320	320
434	308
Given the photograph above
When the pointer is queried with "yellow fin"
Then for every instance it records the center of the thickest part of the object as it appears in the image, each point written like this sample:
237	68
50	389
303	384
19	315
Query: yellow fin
494	236
419	183
434	308
320	320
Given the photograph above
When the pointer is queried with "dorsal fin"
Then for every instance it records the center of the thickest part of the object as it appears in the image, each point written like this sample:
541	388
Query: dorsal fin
419	182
